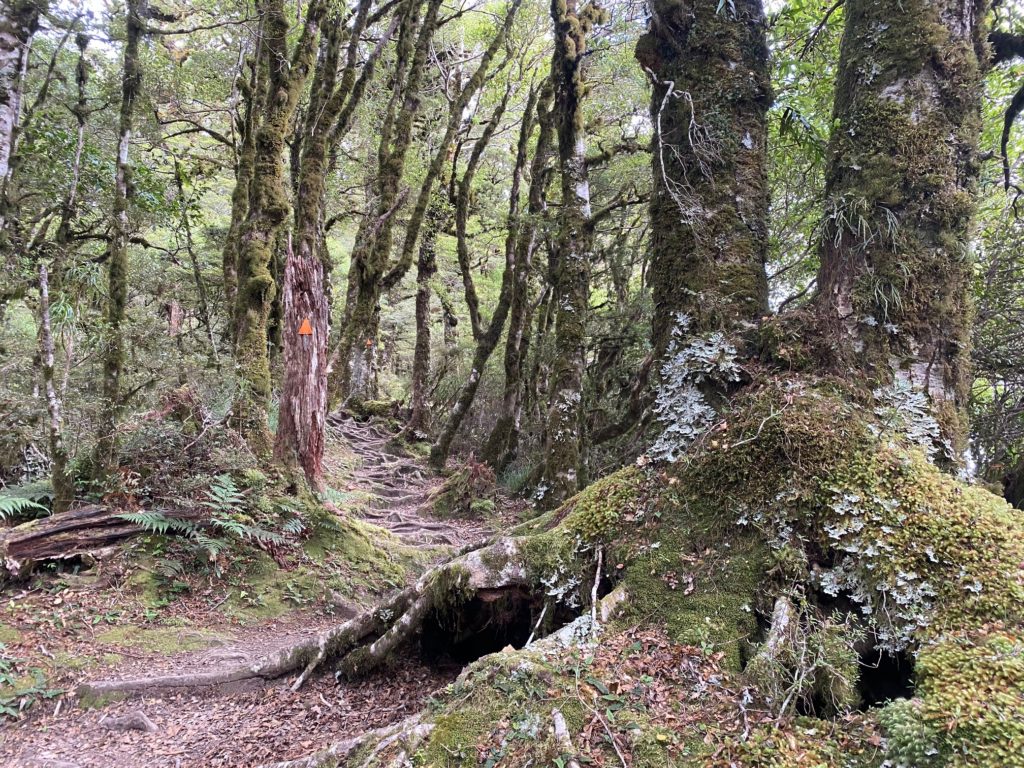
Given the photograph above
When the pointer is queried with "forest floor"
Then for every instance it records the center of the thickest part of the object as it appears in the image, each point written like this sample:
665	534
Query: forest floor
64	630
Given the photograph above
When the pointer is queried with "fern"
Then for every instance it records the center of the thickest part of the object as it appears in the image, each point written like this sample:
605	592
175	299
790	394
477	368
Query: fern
224	496
245	531
154	521
294	525
17	506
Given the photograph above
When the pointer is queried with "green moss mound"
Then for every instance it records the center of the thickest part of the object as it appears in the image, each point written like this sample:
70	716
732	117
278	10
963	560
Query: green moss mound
804	494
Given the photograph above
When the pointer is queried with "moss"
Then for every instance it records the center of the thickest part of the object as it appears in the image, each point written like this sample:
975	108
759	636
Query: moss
157	640
9	635
971	699
450	588
100	700
596	513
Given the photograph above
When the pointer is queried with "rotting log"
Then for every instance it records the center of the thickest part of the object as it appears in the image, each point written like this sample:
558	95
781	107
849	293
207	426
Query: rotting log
70	534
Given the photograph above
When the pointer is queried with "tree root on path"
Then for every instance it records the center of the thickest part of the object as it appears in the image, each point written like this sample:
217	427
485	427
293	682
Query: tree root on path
410	731
362	643
304	654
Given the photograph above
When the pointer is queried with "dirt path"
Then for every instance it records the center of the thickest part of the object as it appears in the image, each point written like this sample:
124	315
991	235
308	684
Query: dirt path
400	489
254	722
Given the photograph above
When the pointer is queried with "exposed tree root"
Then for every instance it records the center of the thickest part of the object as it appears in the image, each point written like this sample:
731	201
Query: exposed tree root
361	643
410	732
305	654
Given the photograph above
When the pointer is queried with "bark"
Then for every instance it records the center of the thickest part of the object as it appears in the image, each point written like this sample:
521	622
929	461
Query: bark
894	283
709	207
488	339
300	437
563	449
117	257
269	208
63	487
197	273
19	21
502	443
356	375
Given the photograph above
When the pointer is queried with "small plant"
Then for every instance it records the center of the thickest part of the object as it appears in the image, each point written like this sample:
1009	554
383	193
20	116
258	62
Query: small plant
19	691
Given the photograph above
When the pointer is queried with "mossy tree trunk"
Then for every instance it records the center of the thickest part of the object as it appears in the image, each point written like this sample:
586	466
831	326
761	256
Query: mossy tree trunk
709	207
117	256
426	271
252	94
19	20
268	210
63	483
356	373
895	274
503	441
63	486
337	88
563	449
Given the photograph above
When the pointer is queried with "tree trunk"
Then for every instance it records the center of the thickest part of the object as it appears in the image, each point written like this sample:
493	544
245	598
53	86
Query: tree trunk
268	211
300	436
426	270
574	252
503	441
19	20
63	487
117	257
356	374
895	274
709	205
197	273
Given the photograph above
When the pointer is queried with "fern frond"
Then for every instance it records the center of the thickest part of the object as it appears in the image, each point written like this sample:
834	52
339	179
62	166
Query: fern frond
13	506
154	521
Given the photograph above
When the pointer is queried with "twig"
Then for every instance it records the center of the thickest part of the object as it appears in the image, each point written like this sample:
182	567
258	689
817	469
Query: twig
593	592
537	625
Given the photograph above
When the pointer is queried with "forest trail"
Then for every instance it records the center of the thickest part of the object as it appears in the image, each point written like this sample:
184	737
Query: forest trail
399	487
253	722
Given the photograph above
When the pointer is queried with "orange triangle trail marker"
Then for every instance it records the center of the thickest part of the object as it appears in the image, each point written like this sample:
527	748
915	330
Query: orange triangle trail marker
305	329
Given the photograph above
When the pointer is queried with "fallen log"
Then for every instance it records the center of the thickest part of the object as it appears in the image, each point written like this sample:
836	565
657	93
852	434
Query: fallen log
75	533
